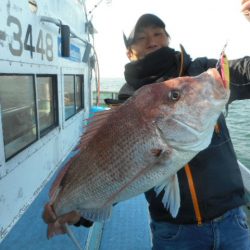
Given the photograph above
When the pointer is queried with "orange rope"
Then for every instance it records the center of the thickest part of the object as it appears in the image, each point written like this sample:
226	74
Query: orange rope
193	194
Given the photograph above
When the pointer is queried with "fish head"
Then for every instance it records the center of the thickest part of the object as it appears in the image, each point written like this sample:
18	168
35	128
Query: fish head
185	109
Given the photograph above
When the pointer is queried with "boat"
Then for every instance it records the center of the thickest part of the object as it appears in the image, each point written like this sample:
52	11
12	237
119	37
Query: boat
47	61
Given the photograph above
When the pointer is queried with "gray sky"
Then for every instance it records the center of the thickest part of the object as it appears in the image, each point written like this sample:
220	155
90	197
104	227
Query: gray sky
201	26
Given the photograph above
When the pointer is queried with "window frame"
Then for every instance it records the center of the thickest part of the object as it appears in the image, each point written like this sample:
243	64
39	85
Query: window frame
55	104
76	111
39	134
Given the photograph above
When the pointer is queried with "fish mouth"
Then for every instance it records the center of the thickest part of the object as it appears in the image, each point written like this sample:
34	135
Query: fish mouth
214	73
223	89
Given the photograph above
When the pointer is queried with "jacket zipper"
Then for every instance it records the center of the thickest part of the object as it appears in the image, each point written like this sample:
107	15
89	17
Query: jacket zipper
193	194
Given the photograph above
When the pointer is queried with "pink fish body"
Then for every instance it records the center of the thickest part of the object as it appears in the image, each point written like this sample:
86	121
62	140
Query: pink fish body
141	144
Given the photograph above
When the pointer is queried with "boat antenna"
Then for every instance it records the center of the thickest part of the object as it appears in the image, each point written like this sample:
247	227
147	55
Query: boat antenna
97	5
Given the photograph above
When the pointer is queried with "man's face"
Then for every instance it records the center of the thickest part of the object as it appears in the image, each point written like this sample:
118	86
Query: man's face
147	40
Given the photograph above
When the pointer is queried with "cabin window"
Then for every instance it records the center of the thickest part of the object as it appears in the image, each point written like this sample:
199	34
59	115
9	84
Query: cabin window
25	119
73	94
18	109
46	95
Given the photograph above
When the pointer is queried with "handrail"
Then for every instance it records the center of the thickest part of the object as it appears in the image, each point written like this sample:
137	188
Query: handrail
59	23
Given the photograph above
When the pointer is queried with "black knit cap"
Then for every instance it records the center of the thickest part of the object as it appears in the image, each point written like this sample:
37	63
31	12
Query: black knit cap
144	21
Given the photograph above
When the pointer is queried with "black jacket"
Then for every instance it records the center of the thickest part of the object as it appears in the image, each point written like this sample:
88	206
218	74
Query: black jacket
215	173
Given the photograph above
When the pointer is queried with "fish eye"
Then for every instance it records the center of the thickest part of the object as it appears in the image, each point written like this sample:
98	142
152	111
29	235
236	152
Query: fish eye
174	95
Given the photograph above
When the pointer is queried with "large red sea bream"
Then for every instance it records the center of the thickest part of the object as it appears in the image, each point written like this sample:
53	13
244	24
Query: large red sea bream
141	144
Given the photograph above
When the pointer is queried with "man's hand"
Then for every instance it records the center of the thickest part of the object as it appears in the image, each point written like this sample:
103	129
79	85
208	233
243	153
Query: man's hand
246	8
56	225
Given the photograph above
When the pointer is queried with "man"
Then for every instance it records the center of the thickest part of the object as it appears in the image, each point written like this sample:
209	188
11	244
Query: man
210	216
211	186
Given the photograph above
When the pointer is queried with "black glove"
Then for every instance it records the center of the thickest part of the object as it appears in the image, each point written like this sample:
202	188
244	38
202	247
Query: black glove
84	222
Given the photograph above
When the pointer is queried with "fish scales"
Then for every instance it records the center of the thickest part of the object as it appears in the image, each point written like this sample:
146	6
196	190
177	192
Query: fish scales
102	163
142	144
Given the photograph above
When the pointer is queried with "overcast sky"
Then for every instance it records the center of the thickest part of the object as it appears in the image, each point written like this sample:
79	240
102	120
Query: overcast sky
201	26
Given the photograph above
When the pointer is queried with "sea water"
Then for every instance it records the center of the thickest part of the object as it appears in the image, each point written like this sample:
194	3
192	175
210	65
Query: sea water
238	122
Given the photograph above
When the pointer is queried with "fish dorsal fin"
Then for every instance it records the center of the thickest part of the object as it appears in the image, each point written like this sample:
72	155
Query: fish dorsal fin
94	124
171	197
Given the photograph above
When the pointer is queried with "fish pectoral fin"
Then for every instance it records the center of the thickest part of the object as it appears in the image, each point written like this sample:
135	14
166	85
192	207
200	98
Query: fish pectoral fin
96	214
171	198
